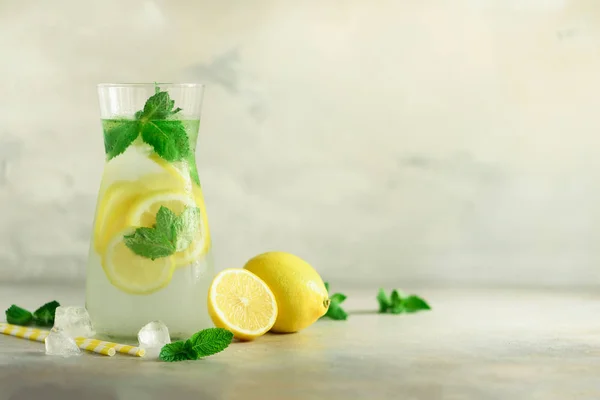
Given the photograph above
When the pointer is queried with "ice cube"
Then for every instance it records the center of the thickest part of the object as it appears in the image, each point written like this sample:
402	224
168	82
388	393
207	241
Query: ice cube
58	343
154	335
74	321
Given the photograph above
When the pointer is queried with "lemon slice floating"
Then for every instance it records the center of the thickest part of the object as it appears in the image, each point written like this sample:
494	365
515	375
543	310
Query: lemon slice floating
132	273
241	302
112	209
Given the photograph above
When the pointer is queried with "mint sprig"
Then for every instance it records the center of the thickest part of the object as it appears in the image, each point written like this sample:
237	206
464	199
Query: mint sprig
335	310
43	316
398	303
155	125
176	351
168	137
170	234
202	344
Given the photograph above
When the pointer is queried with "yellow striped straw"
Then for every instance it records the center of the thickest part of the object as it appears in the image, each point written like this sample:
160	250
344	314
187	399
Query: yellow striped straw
93	345
90	344
23	332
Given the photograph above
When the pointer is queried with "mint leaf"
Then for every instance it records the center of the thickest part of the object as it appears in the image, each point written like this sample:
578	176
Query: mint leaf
18	316
399	303
202	344
335	310
159	106
415	303
396	305
170	234
210	341
338	298
176	351
150	243
185	228
384	301
168	139
165	219
118	136
44	316
191	161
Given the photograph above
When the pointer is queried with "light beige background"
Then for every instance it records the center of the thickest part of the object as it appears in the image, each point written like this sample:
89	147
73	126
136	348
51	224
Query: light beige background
387	142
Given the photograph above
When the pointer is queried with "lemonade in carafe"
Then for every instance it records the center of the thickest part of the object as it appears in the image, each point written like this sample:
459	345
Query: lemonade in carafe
150	251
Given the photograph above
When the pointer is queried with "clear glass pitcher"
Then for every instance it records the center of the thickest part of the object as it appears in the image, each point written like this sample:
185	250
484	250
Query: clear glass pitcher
150	251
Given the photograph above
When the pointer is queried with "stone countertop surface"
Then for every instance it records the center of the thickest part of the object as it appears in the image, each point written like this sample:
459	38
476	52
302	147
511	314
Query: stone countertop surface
474	344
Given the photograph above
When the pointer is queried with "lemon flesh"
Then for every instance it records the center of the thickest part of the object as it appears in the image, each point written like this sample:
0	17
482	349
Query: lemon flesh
132	273
241	302
299	290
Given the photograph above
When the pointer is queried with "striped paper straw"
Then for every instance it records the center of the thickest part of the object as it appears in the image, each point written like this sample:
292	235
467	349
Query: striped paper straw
23	332
89	344
93	345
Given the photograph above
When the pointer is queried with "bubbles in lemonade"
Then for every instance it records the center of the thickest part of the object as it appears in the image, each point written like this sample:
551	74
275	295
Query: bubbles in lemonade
150	253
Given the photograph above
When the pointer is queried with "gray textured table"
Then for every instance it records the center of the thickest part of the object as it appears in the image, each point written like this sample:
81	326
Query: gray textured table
484	344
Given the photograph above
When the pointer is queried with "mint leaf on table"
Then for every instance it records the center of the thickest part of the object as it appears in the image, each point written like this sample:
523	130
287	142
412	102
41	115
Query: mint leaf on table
335	310
384	301
118	138
18	316
171	234
414	304
175	351
202	344
44	316
210	341
398	303
168	138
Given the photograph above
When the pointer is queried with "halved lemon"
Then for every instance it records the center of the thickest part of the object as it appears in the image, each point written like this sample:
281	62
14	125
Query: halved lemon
241	302
132	273
143	213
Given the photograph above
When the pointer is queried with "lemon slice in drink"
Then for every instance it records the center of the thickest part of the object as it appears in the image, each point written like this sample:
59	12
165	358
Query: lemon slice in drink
143	213
241	302
119	197
112	209
132	273
180	171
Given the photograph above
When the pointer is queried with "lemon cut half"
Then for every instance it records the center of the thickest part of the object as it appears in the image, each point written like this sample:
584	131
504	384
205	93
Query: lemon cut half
241	302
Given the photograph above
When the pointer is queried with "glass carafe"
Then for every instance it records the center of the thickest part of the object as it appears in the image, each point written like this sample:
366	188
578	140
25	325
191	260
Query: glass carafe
150	251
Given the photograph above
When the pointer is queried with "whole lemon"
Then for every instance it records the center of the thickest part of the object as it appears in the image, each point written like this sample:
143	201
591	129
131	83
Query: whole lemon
299	290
